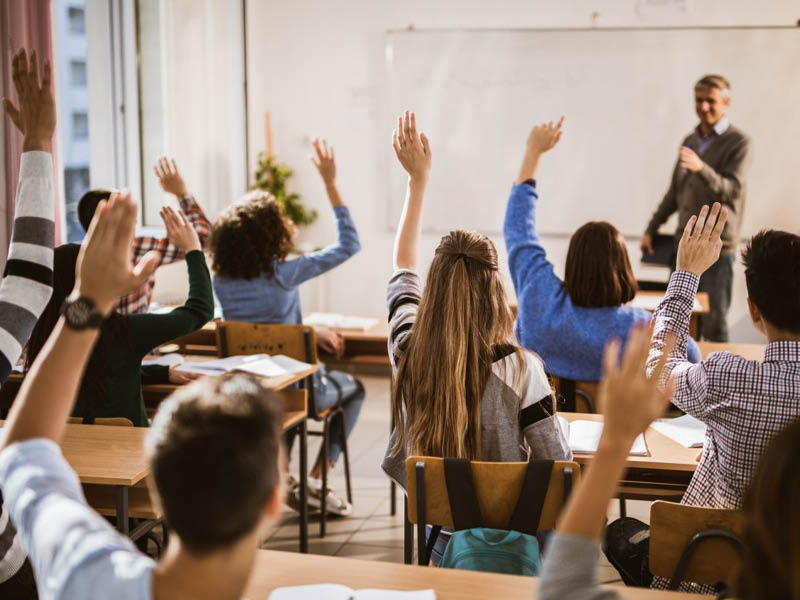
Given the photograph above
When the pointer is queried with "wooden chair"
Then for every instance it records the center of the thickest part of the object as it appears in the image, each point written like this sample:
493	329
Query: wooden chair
298	342
497	485
692	543
575	396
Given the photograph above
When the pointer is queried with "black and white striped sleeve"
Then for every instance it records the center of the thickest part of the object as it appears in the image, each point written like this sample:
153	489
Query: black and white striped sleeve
28	277
403	295
537	415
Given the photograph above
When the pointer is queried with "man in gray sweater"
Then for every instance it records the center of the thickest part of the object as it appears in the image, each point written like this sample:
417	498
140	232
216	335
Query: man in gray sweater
710	169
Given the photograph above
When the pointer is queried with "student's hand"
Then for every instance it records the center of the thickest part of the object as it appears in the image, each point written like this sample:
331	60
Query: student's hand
331	342
179	231
35	116
325	160
181	377
632	400
104	271
701	242
544	136
413	150
169	177
689	160
646	244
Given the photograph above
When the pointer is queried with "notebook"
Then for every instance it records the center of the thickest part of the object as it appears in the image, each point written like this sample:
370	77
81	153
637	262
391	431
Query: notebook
341	592
584	437
686	430
663	250
336	321
262	365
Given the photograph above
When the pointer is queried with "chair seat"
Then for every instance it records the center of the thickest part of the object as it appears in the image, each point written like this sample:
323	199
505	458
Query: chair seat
103	499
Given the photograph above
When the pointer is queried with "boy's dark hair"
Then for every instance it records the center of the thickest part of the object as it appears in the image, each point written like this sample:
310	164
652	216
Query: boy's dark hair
88	204
598	271
214	450
772	270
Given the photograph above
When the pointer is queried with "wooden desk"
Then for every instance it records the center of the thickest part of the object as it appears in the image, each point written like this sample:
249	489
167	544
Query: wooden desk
278	569
748	351
663	475
694	321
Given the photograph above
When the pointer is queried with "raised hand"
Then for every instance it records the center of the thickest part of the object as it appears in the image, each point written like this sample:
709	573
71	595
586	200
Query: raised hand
631	400
169	177
179	231
544	136
701	241
104	271
35	116
324	160
413	150
689	160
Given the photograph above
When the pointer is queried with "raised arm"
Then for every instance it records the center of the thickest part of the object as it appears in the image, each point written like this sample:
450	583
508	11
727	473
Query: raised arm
414	153
28	278
526	255
631	401
294	272
104	272
698	249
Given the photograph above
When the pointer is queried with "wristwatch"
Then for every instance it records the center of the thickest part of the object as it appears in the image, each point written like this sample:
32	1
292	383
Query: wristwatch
81	313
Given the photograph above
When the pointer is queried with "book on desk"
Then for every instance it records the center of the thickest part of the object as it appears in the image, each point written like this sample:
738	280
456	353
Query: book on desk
262	365
584	437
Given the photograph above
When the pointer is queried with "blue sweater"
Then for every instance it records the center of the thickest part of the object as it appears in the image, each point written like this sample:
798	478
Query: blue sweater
570	339
276	299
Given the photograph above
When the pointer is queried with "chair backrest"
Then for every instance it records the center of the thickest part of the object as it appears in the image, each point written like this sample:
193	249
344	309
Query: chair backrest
576	396
497	485
693	543
295	341
114	421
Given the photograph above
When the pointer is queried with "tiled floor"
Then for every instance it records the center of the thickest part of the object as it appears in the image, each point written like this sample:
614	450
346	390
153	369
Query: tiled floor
371	533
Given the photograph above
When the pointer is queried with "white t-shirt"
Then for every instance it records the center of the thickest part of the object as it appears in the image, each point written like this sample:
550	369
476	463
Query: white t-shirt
75	553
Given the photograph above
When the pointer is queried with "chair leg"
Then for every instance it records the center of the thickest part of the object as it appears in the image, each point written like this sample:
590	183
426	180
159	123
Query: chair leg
623	512
346	462
408	535
392	498
326	430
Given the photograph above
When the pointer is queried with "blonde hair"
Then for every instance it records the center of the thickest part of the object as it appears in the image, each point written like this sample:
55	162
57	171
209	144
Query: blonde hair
447	358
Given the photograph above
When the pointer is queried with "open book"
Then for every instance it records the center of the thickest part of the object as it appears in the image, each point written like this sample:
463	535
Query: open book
584	436
335	321
686	430
341	592
262	365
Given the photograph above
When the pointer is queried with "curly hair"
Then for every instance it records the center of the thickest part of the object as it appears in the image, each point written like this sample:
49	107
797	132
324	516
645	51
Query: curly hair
249	236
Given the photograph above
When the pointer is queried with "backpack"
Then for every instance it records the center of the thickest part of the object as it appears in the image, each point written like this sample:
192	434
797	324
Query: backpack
514	551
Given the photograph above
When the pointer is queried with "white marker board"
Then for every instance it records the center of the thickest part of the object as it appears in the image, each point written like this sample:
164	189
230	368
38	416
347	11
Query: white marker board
628	98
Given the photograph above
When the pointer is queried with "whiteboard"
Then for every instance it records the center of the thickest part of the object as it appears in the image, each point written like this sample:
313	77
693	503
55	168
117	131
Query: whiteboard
628	100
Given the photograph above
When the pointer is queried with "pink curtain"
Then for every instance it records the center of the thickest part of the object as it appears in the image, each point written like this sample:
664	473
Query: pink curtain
23	23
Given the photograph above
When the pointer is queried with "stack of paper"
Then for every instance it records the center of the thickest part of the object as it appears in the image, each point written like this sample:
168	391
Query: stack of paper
686	430
341	592
262	365
584	436
336	321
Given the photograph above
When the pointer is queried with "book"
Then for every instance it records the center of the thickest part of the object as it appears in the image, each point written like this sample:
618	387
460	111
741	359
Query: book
336	321
686	430
262	365
341	592
584	437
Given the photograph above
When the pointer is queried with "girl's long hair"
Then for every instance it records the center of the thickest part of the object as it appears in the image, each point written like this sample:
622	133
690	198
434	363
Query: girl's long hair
447	358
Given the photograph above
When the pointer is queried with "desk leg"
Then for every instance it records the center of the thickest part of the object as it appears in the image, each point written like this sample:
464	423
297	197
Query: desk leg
408	536
304	487
122	509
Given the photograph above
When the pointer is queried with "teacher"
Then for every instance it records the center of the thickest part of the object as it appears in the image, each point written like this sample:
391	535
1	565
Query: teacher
710	169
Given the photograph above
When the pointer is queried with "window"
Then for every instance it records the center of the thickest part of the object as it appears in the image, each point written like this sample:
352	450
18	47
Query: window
80	126
75	18
77	73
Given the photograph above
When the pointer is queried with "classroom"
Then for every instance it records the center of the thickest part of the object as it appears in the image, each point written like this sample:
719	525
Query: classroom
335	299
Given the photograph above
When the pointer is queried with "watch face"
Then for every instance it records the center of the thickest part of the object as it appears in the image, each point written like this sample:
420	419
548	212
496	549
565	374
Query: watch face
81	314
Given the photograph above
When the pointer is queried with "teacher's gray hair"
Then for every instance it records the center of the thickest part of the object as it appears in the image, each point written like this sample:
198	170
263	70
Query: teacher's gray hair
715	81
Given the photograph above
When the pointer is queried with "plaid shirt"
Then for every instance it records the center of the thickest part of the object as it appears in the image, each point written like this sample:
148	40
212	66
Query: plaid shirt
139	301
744	403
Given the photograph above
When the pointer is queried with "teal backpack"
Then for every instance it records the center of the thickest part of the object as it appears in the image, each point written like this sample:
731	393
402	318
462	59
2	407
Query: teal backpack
513	551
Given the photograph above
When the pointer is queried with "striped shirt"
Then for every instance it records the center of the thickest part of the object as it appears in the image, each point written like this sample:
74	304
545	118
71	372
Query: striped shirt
517	413
24	293
744	403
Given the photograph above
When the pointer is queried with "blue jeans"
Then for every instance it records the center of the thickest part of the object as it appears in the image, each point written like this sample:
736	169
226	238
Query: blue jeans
329	387
717	282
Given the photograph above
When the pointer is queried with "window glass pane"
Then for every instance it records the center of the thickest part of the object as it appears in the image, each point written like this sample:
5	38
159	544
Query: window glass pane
73	107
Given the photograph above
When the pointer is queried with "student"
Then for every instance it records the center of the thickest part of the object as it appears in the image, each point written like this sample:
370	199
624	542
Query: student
214	453
743	403
256	282
171	182
28	278
482	397
568	322
771	552
112	384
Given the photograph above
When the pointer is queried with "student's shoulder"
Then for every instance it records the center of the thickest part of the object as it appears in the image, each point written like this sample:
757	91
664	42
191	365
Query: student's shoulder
111	571
509	360
737	135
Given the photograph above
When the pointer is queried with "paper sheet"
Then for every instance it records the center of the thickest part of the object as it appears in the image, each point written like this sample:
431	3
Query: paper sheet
336	321
686	430
341	592
166	360
651	302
